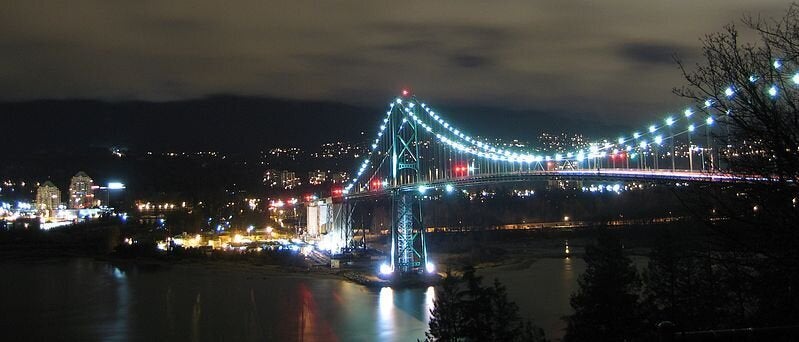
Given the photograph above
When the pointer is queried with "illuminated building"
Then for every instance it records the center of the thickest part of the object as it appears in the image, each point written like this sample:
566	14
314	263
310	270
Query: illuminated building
285	179
339	177
317	177
289	179
48	197
80	191
271	178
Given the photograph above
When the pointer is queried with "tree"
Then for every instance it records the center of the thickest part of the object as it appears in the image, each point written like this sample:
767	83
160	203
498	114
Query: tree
465	310
606	304
751	91
446	316
681	284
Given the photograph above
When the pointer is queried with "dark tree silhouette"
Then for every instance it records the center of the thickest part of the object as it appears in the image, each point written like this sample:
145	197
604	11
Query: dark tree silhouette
681	284
606	305
751	88
466	311
446	321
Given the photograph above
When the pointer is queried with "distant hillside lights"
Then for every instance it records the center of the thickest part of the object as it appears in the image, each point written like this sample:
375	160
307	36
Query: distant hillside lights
287	179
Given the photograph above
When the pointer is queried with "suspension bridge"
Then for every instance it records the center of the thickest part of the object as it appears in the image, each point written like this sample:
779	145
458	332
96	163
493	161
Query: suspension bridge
418	150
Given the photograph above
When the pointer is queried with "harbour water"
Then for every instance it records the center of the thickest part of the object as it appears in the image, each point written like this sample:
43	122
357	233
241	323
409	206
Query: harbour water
87	300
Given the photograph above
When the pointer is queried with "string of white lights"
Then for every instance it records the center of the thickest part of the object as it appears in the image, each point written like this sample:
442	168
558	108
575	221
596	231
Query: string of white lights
457	139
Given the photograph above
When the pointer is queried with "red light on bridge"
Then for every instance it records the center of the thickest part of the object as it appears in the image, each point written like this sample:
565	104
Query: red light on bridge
460	170
405	93
337	192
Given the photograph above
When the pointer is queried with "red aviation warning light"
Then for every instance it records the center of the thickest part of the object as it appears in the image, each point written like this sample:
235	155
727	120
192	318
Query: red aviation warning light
337	194
460	170
406	93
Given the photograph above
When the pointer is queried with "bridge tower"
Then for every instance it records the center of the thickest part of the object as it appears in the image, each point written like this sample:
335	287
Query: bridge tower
408	247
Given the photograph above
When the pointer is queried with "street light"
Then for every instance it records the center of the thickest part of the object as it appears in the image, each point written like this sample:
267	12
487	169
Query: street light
709	123
670	122
111	186
691	129
658	142
430	267
385	269
643	154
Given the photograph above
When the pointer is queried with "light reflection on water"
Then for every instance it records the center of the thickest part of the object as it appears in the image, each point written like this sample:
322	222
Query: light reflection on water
385	319
81	299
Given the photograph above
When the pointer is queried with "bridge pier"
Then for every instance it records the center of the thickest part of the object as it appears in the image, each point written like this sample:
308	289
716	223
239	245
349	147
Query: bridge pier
408	248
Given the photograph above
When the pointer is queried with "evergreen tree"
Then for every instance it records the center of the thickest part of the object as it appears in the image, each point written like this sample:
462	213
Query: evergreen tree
606	305
466	311
681	286
446	317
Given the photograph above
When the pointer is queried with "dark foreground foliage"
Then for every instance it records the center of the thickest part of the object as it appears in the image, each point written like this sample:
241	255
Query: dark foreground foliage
465	310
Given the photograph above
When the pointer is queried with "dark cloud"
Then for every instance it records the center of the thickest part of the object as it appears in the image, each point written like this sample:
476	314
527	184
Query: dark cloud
560	57
335	60
654	53
438	36
471	61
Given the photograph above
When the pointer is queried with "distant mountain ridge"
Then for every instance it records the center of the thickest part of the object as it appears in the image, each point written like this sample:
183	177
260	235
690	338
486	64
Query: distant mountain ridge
214	122
236	123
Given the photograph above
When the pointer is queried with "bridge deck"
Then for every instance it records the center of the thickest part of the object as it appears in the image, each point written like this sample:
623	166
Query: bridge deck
602	174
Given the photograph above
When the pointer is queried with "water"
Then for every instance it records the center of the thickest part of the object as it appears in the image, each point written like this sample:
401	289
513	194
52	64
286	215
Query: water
542	291
86	300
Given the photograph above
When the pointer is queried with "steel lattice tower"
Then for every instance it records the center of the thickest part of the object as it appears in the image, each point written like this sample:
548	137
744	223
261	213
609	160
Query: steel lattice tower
408	248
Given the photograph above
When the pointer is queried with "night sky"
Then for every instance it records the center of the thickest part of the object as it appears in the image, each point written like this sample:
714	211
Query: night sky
606	60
